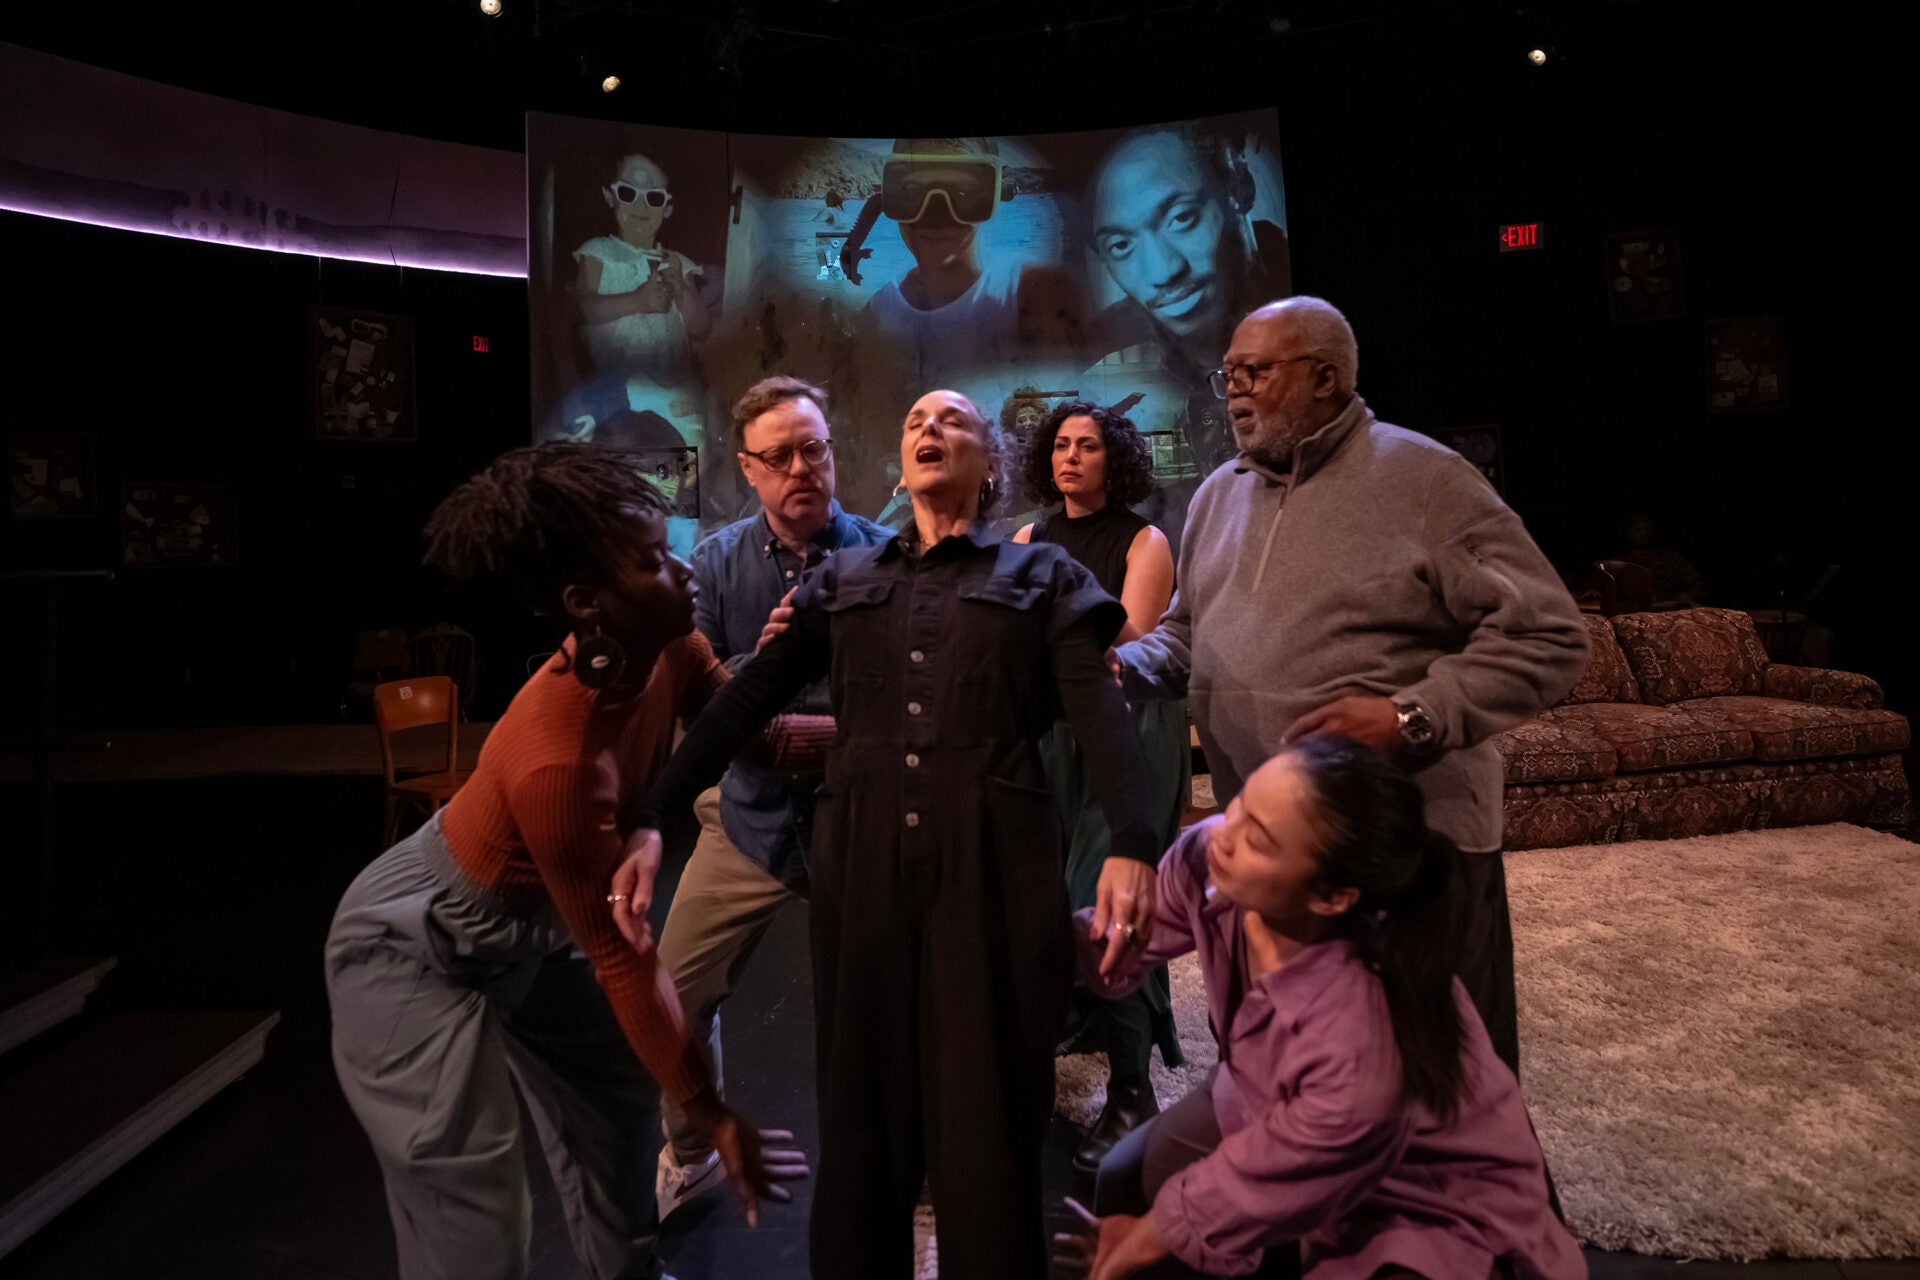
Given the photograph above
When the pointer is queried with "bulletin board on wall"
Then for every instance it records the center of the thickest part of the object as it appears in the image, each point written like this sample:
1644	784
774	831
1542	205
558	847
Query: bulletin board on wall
363	385
1746	363
1644	279
164	525
50	476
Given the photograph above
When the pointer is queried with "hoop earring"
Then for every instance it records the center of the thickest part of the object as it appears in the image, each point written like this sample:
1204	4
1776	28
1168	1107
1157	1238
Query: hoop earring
599	660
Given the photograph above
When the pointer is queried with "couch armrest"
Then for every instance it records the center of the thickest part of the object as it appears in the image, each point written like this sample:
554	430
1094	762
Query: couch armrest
1820	686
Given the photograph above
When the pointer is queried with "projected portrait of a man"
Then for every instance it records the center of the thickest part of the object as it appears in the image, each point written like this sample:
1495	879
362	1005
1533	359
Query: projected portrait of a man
1170	219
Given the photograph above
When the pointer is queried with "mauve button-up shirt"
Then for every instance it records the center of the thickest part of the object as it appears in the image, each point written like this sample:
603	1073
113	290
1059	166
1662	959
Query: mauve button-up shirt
1319	1143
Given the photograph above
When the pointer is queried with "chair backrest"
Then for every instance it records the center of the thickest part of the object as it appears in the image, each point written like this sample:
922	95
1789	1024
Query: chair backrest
380	651
1625	587
400	705
445	650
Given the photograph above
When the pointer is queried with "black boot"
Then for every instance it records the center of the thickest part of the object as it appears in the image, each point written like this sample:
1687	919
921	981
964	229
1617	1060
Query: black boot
1130	1104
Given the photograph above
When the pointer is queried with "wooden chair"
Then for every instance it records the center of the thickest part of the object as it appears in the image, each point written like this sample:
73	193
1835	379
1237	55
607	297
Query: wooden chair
1625	587
445	650
378	655
403	705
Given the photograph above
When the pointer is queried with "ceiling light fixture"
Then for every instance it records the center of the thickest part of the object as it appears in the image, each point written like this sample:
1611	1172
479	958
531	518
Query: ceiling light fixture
490	7
1538	57
610	84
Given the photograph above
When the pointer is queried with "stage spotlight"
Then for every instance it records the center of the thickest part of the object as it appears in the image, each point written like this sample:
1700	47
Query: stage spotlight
610	84
1538	57
490	7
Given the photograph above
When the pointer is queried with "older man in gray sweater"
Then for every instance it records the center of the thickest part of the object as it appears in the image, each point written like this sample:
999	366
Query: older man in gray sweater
1347	576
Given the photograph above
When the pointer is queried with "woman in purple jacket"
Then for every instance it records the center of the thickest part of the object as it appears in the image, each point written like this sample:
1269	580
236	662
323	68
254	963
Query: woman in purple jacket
1358	1108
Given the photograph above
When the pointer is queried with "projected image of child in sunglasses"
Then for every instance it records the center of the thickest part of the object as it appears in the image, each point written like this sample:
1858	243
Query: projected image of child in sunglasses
640	303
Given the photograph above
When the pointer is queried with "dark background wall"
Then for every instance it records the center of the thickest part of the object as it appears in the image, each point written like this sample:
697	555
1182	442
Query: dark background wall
1403	152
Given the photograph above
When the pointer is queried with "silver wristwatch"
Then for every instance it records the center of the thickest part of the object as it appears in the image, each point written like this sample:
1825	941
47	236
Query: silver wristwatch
1417	729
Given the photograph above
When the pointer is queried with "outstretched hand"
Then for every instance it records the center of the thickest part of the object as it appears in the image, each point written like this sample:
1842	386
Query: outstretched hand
1123	913
758	1161
1109	1248
632	893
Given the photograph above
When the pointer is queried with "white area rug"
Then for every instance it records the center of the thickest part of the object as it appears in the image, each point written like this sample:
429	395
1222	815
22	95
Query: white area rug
1720	1040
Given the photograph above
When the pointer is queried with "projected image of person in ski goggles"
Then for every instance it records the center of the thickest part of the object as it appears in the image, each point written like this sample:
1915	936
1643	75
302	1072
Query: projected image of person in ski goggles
914	186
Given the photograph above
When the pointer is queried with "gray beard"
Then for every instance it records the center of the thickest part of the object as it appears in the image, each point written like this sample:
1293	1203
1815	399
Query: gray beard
1273	446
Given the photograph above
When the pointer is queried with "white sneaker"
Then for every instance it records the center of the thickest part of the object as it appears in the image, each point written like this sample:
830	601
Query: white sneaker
675	1184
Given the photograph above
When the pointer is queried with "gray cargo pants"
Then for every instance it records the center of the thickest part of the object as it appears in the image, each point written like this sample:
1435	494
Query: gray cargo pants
445	1007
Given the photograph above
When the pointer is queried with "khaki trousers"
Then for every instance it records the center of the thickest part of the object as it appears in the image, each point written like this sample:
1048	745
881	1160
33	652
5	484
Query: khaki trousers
719	914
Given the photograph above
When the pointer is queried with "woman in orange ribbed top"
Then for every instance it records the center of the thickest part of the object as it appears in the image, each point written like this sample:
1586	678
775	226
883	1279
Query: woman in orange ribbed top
452	967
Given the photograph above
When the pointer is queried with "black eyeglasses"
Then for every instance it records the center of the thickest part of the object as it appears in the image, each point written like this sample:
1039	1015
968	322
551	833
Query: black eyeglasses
654	197
1244	378
780	457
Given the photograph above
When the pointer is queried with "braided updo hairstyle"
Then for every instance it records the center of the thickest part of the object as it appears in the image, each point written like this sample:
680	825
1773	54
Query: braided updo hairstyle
542	517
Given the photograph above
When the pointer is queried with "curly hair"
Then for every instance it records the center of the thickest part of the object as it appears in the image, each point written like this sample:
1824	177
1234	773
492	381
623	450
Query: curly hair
542	517
1129	459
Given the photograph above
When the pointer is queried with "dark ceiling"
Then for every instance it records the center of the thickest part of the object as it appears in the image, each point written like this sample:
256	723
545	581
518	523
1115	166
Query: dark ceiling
441	68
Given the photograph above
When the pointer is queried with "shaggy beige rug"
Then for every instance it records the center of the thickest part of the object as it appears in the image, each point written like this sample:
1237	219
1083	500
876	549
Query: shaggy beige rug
1720	1040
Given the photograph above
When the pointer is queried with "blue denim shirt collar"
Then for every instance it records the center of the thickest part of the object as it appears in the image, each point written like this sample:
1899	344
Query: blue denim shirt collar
829	537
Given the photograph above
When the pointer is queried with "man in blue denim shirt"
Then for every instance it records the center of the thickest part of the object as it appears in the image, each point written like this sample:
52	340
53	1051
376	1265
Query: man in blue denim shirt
754	826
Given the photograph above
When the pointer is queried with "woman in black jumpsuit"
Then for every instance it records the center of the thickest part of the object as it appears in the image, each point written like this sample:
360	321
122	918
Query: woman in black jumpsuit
942	947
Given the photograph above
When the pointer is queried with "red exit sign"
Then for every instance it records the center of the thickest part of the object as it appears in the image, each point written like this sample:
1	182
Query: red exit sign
1515	236
479	342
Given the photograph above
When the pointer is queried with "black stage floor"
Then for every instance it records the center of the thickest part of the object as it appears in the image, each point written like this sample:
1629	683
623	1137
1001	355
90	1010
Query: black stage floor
217	894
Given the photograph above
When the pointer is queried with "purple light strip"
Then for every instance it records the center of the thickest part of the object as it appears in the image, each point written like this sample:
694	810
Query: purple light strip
474	268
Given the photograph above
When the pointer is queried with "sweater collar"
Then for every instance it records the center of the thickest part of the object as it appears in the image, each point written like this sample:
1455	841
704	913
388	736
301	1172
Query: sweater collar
1316	450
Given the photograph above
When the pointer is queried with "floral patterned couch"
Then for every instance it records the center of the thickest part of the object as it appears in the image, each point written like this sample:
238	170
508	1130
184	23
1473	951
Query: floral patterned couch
1682	727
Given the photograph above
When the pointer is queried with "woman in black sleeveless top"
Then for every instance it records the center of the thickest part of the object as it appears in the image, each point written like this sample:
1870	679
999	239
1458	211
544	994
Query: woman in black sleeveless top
1092	463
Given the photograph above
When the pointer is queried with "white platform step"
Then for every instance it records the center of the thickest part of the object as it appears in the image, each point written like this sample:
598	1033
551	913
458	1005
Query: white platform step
74	1115
46	996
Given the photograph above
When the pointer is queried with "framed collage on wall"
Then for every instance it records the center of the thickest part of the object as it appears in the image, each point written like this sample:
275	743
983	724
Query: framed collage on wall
163	525
1747	363
50	475
1644	281
362	375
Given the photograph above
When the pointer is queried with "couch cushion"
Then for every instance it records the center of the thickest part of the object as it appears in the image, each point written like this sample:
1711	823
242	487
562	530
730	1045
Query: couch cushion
1785	730
1541	751
1691	653
1607	678
1645	738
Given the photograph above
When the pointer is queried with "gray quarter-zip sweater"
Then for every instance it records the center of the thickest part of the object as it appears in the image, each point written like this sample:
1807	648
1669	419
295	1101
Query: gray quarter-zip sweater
1382	563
